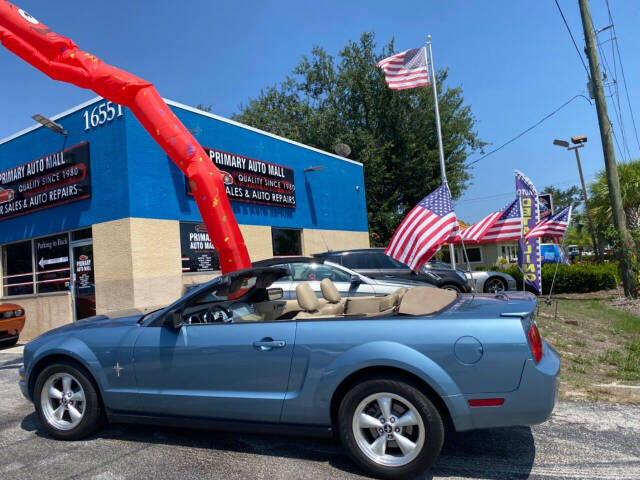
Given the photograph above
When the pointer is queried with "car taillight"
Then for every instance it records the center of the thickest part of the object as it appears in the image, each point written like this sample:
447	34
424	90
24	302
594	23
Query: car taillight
536	341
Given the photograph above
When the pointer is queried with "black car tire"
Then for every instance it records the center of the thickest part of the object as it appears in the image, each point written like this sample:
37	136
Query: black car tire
505	287
432	422
452	287
93	412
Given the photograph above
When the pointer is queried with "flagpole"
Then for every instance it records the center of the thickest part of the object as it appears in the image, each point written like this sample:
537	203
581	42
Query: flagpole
564	237
443	171
464	250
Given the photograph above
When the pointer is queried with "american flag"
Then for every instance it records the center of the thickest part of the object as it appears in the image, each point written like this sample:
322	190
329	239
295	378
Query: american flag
406	70
477	230
508	226
426	227
553	226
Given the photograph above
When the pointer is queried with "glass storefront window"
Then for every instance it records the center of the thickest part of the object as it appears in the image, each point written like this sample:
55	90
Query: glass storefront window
286	241
84	234
473	253
17	269
52	263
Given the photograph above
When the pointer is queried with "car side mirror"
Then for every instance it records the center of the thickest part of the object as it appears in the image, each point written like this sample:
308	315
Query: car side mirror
275	294
355	279
176	318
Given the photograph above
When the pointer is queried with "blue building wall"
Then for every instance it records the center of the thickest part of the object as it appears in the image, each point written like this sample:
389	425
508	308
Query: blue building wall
109	199
132	177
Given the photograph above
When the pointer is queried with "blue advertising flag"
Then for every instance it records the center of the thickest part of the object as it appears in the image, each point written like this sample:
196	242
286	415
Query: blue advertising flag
529	259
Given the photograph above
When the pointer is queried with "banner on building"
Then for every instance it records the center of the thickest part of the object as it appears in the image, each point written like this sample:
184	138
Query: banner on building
545	201
198	254
529	259
255	181
46	182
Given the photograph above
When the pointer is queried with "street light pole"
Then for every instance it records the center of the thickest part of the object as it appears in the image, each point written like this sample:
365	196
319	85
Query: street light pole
596	247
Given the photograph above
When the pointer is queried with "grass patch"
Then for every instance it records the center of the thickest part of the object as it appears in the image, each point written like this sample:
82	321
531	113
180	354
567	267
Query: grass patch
602	348
626	361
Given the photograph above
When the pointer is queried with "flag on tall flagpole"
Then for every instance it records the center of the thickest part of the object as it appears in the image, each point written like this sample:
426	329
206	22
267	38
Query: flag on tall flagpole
407	69
553	226
507	227
425	228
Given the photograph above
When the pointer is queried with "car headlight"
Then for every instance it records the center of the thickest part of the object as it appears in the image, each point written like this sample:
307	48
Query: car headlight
7	314
18	313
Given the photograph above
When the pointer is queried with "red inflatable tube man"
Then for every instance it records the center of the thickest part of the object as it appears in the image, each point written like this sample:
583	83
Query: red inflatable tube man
61	59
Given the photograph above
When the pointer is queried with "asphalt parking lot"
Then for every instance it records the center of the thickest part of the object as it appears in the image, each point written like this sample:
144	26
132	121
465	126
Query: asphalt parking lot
581	441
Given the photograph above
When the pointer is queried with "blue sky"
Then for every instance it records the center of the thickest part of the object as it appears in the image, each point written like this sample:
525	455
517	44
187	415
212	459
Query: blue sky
514	60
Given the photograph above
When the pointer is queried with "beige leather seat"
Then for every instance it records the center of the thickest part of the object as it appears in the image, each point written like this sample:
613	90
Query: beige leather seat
309	303
335	303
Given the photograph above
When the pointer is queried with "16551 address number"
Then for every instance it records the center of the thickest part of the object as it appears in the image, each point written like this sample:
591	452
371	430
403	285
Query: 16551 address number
101	114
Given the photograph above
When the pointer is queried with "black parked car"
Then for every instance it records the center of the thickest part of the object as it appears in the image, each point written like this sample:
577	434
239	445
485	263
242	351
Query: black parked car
374	263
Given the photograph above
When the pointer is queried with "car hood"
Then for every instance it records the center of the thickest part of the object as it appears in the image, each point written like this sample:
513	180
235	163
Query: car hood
484	306
110	320
9	306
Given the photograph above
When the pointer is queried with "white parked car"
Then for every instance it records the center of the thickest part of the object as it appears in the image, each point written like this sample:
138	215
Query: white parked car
486	282
348	282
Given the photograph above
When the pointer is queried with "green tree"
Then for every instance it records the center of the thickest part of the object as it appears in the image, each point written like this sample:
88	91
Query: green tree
600	203
327	100
563	198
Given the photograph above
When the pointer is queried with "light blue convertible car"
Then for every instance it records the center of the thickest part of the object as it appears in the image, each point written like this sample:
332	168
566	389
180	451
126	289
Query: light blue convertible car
385	374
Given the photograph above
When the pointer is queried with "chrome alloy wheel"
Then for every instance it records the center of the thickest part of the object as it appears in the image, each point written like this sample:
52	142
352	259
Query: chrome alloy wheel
63	401
494	285
388	429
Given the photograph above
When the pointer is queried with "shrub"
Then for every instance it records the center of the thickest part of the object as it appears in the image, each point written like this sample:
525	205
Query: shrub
577	278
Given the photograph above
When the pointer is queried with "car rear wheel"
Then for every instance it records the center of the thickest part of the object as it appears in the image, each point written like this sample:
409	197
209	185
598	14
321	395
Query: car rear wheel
390	428
495	285
67	402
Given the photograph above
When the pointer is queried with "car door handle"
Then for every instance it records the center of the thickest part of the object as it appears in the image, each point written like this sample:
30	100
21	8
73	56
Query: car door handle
268	343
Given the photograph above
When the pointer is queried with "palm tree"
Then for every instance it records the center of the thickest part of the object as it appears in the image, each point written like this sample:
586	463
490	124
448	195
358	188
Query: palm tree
600	202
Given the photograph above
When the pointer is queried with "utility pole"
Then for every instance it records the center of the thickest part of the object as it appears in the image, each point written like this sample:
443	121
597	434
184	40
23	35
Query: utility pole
619	219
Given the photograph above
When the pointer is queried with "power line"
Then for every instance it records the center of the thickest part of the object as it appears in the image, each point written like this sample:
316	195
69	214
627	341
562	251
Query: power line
573	40
529	129
614	36
512	192
614	95
610	75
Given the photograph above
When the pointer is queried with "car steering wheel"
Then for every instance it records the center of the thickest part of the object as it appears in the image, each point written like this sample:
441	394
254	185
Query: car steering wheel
218	313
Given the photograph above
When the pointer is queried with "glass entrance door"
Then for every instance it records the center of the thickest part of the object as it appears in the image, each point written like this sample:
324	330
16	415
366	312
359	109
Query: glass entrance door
84	288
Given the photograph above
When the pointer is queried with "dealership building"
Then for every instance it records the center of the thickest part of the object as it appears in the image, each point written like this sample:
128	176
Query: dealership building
101	220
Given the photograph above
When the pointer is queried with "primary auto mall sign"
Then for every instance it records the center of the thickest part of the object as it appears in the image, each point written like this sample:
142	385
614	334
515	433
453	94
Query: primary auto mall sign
255	181
46	182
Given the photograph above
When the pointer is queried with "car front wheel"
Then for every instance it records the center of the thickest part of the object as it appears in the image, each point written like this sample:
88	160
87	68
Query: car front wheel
67	402
390	428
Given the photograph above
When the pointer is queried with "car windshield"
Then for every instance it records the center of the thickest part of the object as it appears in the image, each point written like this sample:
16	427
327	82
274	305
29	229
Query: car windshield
441	265
148	315
304	272
228	290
